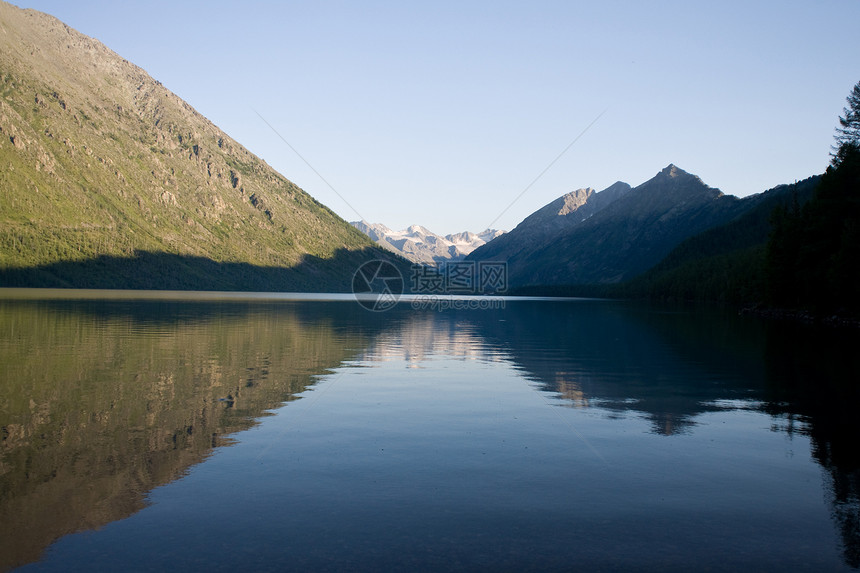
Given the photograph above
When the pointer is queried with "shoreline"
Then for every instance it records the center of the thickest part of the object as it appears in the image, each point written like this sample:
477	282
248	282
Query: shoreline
800	316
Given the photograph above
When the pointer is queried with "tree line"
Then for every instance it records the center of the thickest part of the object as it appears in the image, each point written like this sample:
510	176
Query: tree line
813	253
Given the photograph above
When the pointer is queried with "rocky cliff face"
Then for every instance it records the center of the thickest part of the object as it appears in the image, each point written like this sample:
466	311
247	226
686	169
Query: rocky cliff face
587	238
420	245
101	160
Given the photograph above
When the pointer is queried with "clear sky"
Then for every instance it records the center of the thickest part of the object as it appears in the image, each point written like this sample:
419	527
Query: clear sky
443	113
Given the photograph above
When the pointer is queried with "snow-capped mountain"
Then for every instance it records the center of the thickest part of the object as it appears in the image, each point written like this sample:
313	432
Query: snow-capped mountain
420	245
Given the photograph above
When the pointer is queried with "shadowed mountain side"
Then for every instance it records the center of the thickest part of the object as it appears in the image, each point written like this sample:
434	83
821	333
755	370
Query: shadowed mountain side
551	220
631	233
164	271
97	411
725	263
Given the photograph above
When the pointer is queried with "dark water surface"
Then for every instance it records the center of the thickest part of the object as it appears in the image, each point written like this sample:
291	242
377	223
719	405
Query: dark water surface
307	435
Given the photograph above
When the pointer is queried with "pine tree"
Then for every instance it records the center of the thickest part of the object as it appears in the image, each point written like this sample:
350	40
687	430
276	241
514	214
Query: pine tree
848	135
813	253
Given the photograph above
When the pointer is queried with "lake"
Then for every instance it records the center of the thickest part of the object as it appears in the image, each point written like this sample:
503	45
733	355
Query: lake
255	432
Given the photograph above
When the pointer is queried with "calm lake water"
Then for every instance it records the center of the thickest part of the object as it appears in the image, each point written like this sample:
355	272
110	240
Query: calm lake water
315	435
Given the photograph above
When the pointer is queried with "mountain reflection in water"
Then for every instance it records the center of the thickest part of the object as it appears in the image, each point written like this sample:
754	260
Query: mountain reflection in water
103	401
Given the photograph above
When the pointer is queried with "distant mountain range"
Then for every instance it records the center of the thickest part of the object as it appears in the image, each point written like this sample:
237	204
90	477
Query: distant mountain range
420	245
109	180
588	237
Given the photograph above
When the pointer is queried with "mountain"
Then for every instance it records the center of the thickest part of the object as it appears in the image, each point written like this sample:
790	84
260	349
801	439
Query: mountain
420	245
557	217
725	263
111	181
610	236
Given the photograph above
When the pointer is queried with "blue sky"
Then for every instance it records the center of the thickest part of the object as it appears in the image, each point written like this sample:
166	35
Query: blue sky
443	113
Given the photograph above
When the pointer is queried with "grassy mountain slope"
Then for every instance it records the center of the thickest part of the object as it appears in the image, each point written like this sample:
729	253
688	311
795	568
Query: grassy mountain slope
101	165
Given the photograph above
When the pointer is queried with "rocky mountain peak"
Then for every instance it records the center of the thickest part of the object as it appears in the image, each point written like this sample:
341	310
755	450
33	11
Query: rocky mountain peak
418	229
672	170
673	173
572	208
574	200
